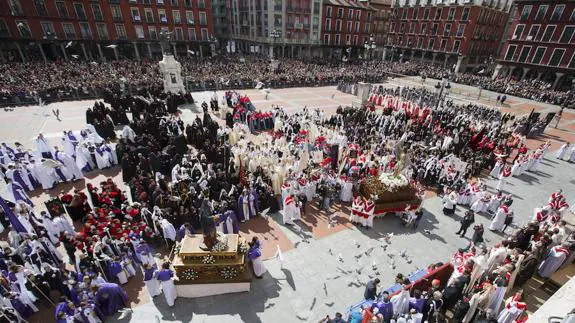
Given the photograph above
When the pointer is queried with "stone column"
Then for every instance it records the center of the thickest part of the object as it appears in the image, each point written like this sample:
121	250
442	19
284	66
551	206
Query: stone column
558	77
384	54
433	60
292	47
539	75
202	52
498	68
402	57
525	71
422	56
84	51
412	54
42	52
458	65
116	54
136	51
2	59
149	46
445	61
22	57
102	57
174	49
64	51
511	69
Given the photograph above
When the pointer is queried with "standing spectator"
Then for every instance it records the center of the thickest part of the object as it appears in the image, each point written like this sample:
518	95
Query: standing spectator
371	289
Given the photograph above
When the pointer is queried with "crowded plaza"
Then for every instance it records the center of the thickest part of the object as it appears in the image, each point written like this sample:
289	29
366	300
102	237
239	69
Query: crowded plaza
320	192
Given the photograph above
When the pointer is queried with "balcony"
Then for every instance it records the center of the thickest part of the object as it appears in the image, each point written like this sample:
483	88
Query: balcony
98	17
117	18
164	20
177	21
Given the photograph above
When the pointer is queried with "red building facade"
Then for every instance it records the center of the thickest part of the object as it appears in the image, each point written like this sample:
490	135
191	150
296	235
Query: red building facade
540	43
455	35
103	29
346	26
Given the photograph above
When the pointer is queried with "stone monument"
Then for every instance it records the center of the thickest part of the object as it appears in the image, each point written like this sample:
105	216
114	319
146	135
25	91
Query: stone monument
171	69
362	94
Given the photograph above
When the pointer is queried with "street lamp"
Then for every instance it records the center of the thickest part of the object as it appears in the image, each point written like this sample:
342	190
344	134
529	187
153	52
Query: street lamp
440	87
369	47
274	34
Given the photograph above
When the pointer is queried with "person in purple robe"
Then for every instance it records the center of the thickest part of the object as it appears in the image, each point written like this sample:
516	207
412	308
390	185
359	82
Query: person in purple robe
254	255
228	223
254	204
25	310
63	309
185	229
18	193
384	306
114	268
110	298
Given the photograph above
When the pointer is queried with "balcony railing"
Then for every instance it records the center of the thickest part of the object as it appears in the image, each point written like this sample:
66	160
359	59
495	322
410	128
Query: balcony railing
70	35
117	18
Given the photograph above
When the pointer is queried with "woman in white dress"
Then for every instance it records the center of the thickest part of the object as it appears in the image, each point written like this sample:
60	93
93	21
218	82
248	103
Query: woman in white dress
165	276
561	152
505	173
255	256
497	168
498	221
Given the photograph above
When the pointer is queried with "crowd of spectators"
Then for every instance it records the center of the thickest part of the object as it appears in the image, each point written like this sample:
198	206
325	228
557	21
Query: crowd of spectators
58	80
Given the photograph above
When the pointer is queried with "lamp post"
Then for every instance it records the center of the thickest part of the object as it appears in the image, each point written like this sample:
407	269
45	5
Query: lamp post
369	47
274	34
440	87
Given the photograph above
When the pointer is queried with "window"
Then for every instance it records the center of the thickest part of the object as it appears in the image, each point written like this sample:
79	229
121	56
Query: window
541	12
524	54
174	3
189	5
355	39
460	30
443	44
121	31
97	12
549	31
190	17
153	32
447	30
368	16
533	32
350	14
525	12
415	13
431	44
557	12
567	34
116	12
23	28
328	24
15	8
201	5
423	29
539	53
404	14
412	28
456	45
149	15
572	63
438	12
177	18
337	39
80	13
348	39
556	57
203	19
326	39
357	26
162	15
349	27
40	8
139	31
518	31
69	30
327	12
434	29
340	12
510	52
572	19
358	14
85	30
192	34
451	14
338	26
62	10
426	14
366	28
179	33
402	27
102	31
204	32
47	29
420	42
135	14
465	14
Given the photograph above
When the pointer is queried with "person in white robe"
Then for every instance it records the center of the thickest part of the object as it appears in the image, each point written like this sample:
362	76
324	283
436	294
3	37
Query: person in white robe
505	173
562	151
69	163
111	150
496	257
498	221
346	194
102	158
495	202
400	301
553	260
497	168
572	154
512	310
369	213
15	171
50	227
290	210
356	210
129	134
165	276
84	158
168	229
43	146
68	145
62	224
151	280
93	134
45	174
